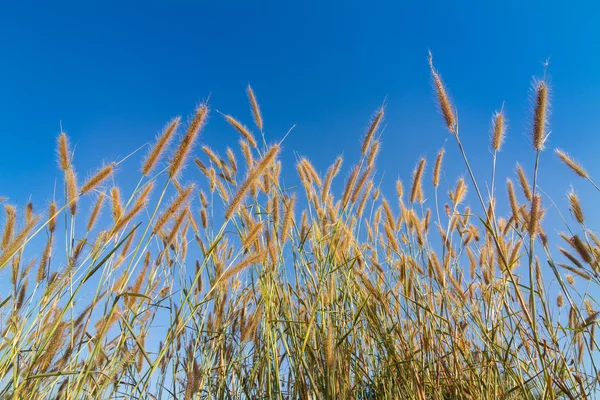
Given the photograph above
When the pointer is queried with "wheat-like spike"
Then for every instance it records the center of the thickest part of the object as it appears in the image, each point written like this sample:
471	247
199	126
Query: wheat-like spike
176	226
117	207
138	206
576	207
52	216
43	269
534	215
245	132
15	244
371	131
95	212
9	225
331	173
63	151
255	108
161	144
28	212
361	182
569	162
173	207
71	182
288	217
498	130
253	175
417	180
539	116
253	259
524	183
513	199
97	179
580	247
213	157
188	140
443	100
349	186
437	167
232	162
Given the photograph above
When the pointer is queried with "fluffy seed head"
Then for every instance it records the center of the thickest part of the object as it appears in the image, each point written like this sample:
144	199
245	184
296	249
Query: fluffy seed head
372	129
188	141
569	162
97	179
498	130
437	167
255	108
160	146
540	115
71	182
576	207
63	151
443	100
245	132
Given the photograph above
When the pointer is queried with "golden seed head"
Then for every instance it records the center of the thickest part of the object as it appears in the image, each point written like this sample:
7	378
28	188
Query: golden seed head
161	144
443	100
63	151
97	179
576	167
540	115
188	140
255	108
498	130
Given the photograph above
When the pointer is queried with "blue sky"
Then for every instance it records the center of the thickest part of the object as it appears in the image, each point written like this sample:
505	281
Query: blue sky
114	73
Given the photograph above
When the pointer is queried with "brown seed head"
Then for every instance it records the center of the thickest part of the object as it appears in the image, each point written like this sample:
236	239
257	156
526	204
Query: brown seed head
576	167
443	100
498	130
97	179
63	151
540	115
188	141
161	144
255	108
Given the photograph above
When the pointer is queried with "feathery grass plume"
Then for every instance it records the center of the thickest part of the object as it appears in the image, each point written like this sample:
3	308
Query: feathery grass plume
232	162
581	248
249	239
331	173
443	100
579	272
288	217
252	259
372	129
253	175
138	206
173	207
71	182
498	130
211	154
534	215
361	183
417	180
576	207
52	217
311	171
28	212
373	153
160	146
255	109
176	226
95	212
9	225
540	119
15	244
349	186
43	269
524	183
63	151
571	257
245	132
513	200
437	167
187	142
97	179
576	167
459	193
117	207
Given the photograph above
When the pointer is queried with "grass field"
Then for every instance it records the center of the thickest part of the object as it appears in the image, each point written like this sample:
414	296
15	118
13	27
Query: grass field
238	286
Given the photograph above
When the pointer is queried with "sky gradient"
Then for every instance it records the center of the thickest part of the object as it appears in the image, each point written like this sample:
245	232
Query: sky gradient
114	73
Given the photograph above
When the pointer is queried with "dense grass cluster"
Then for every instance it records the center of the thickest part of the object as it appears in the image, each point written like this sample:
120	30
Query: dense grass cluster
236	286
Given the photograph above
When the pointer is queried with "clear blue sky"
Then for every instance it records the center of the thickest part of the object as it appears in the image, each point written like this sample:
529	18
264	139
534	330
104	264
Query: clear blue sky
115	72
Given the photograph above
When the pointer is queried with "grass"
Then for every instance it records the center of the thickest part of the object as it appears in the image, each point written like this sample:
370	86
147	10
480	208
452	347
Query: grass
235	286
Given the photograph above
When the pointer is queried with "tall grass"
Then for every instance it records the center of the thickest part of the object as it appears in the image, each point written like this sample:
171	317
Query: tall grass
236	286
